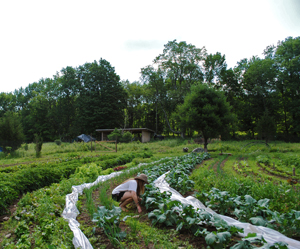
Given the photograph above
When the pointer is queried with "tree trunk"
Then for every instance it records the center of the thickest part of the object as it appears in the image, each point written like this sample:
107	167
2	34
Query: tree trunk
205	144
166	117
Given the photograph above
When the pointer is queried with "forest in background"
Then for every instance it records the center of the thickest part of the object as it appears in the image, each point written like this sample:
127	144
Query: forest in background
262	96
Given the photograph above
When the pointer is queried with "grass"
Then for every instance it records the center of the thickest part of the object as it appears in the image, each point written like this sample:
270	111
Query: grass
218	172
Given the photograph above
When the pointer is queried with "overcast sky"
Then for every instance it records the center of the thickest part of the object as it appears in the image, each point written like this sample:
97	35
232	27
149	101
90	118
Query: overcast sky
39	38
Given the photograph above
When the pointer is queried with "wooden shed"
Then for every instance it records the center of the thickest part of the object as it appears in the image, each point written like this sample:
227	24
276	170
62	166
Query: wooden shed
145	133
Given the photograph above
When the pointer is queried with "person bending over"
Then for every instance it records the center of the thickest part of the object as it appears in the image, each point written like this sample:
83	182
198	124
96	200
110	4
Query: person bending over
129	191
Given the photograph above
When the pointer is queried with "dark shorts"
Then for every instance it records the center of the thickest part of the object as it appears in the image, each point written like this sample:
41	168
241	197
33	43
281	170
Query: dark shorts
117	197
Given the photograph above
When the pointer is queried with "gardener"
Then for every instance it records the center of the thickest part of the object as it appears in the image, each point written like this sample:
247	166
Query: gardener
129	191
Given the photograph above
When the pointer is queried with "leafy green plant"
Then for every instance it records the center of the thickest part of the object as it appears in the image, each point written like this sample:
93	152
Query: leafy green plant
179	180
217	240
21	229
109	220
265	159
166	213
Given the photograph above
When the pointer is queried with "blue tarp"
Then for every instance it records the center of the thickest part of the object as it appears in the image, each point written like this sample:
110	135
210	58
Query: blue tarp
86	138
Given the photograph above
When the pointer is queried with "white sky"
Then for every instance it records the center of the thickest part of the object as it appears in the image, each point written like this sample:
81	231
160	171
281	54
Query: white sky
39	38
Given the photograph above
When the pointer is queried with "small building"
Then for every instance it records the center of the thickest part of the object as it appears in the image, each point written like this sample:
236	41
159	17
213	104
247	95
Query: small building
145	133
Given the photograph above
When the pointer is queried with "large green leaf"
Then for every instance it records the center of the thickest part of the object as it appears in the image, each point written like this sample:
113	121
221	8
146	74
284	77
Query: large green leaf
258	221
249	199
264	202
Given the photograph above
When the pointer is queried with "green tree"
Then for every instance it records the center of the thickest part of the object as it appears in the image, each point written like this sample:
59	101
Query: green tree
287	57
65	109
135	98
266	127
7	103
101	99
178	67
214	66
155	93
206	110
11	132
36	118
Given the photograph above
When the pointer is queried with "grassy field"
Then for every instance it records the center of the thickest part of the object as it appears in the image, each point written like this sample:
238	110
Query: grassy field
242	168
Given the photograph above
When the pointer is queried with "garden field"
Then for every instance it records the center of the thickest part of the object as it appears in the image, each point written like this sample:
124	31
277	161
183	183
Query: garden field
248	181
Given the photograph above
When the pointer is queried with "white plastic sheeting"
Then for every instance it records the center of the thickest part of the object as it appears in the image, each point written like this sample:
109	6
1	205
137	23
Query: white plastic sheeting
80	241
70	212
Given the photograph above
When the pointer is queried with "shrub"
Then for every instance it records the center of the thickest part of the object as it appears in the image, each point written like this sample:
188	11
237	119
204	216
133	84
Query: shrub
38	140
26	147
124	137
115	135
58	141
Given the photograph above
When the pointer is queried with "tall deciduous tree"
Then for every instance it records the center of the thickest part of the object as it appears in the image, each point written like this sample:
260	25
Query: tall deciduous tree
7	103
172	75
287	56
101	100
156	91
214	66
11	131
65	111
206	110
135	99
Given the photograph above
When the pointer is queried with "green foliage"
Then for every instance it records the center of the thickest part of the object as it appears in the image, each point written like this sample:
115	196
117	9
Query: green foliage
115	135
20	179
101	99
11	132
126	137
58	141
38	140
290	160
26	146
109	220
120	136
91	171
265	159
266	127
205	110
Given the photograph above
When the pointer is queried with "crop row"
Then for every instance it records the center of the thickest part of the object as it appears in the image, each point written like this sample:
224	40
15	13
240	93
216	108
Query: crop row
247	209
15	181
37	221
276	170
164	211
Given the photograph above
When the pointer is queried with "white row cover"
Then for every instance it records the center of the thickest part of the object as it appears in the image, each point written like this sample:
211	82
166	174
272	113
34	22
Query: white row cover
80	241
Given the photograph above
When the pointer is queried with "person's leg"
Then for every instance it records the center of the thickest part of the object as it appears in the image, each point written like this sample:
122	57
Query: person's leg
125	200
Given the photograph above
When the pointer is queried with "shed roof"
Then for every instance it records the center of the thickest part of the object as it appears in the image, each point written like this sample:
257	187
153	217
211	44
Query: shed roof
128	129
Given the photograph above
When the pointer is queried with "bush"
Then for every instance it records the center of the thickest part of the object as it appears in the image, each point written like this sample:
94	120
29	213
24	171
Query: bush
124	137
26	147
58	141
38	140
115	135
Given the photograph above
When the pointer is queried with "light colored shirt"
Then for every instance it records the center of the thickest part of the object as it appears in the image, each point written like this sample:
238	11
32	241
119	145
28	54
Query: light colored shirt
130	185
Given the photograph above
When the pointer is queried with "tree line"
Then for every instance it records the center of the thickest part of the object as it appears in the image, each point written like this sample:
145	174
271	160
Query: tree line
257	95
